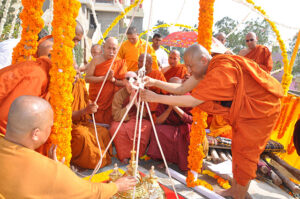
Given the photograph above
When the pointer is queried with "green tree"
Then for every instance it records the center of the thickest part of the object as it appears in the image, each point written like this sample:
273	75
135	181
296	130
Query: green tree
236	41
296	67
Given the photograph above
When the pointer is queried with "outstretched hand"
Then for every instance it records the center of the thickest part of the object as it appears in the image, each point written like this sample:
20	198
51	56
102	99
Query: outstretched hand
149	81
125	183
148	96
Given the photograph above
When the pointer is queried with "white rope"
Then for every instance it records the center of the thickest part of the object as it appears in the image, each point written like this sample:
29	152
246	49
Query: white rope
96	132
239	24
160	149
113	137
180	12
267	17
136	121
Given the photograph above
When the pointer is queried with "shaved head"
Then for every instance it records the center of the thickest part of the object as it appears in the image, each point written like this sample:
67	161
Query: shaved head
221	37
29	122
130	74
148	64
110	48
132	35
130	78
251	40
96	50
197	59
174	58
45	48
79	33
175	80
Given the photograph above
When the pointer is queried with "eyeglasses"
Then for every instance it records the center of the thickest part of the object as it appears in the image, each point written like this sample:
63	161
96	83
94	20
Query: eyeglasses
249	40
128	78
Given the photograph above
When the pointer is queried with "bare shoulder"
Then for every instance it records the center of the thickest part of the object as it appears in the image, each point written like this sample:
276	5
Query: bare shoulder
244	52
98	59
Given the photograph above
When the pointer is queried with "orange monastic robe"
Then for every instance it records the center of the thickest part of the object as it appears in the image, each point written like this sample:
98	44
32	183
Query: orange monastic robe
255	98
85	151
25	173
25	78
156	74
103	115
131	54
262	56
177	71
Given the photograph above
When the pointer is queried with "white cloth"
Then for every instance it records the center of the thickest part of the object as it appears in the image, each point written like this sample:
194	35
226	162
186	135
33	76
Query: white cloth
162	57
6	50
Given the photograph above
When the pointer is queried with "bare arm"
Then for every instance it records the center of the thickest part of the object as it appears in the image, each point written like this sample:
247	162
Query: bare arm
181	101
174	88
179	111
163	117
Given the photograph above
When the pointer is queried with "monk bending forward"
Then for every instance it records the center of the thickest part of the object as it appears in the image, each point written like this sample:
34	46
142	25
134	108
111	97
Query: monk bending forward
238	89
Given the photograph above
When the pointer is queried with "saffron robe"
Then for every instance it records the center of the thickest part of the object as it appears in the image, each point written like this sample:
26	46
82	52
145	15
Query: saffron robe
124	139
177	71
261	55
131	54
255	97
103	114
24	78
174	137
85	151
25	173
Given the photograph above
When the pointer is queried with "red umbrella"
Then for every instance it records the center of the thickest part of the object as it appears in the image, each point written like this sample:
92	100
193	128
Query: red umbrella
180	39
185	39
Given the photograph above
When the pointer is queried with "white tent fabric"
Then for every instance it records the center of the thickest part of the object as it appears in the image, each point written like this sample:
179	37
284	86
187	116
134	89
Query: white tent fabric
6	50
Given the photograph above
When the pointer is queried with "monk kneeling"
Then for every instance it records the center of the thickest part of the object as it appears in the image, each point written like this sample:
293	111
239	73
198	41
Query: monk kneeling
25	173
85	150
125	136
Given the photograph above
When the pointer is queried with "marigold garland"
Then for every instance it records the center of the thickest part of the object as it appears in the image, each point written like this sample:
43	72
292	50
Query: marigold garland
118	18
295	181
198	133
62	75
32	23
287	76
206	14
222	182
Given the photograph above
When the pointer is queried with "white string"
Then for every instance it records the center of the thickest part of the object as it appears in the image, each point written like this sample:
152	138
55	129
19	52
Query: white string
179	15
136	122
160	149
96	132
113	137
239	24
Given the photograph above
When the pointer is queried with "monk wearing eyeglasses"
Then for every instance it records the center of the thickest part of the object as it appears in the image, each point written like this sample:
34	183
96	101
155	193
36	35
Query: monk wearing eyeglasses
258	53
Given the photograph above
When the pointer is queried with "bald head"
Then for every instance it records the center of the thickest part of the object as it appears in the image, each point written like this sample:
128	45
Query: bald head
45	48
175	80
197	58
174	58
130	79
79	33
148	64
29	122
221	37
251	40
96	50
110	48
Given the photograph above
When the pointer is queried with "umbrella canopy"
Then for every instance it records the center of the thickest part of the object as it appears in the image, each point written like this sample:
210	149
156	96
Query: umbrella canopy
186	39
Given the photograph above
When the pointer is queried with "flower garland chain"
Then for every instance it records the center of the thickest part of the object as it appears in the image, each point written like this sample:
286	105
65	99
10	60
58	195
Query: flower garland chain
62	75
222	182
118	18
287	76
32	23
196	155
206	14
198	133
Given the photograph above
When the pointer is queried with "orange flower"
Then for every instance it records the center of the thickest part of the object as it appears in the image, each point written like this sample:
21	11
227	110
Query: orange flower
62	75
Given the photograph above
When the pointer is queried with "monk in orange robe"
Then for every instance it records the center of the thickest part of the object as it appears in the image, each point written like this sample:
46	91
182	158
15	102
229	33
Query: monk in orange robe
239	90
95	75
25	78
124	139
25	173
258	53
175	69
131	49
85	151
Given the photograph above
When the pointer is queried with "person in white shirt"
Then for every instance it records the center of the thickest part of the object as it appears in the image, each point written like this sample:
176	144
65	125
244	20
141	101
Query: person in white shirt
162	56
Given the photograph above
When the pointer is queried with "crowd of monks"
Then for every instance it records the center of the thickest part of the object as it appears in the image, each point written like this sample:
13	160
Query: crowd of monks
237	91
